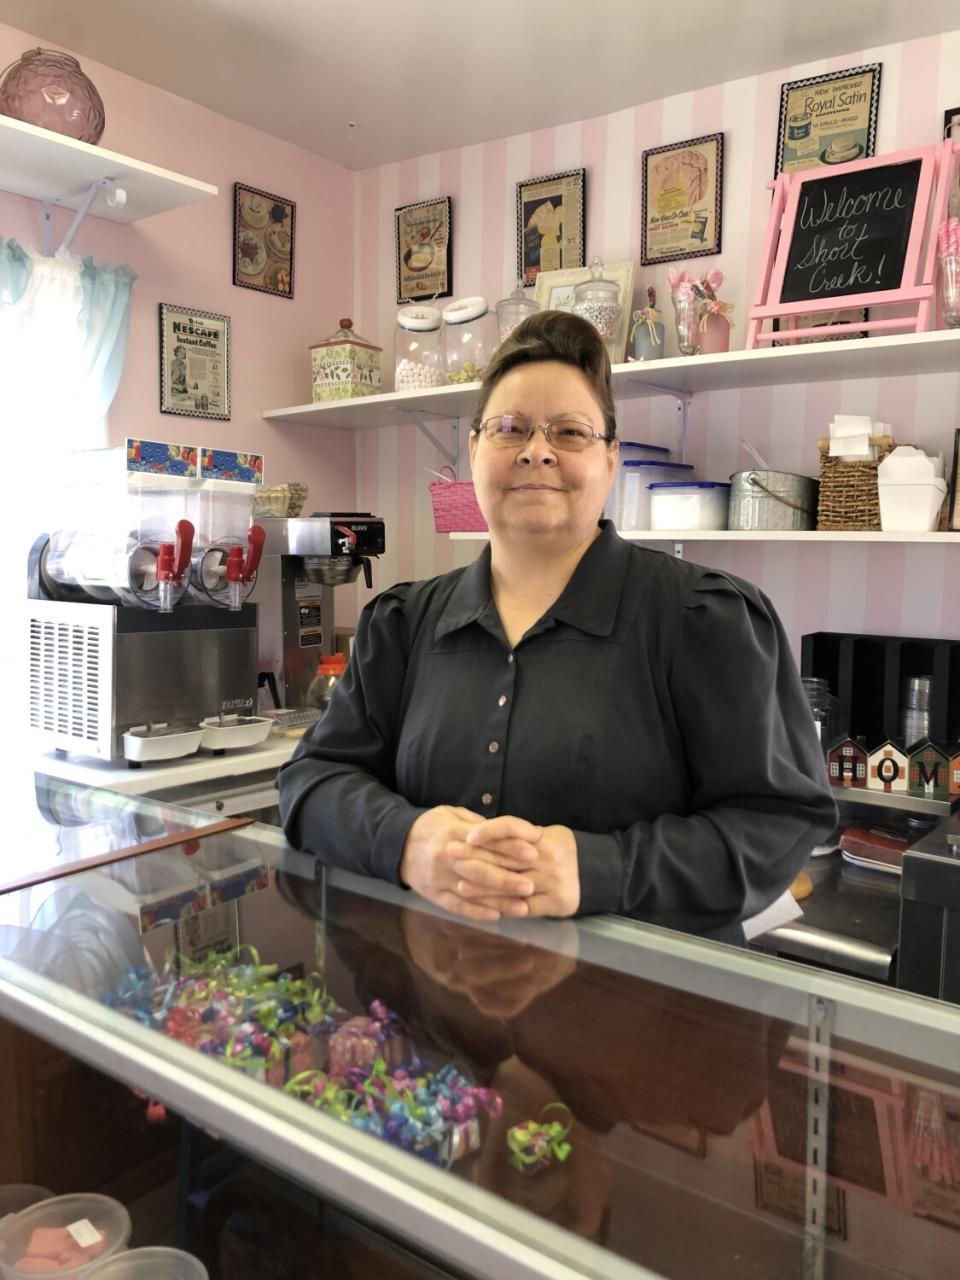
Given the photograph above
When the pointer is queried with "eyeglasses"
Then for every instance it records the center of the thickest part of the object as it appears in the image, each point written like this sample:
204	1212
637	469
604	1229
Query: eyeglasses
511	430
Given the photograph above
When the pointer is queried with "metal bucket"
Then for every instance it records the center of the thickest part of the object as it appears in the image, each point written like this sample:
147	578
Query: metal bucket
772	500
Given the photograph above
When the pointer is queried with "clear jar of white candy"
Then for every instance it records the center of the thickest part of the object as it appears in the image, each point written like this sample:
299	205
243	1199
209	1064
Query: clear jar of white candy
419	356
598	301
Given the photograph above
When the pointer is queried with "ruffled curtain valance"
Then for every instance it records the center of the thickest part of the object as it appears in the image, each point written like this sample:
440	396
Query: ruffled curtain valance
63	340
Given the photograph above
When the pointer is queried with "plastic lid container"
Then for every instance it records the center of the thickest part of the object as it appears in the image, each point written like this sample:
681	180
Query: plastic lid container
74	1233
630	451
464	309
151	1264
638	474
693	504
15	1197
419	319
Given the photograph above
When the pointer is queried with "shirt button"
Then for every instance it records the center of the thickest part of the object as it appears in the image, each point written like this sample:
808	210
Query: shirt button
486	798
502	700
509	657
493	748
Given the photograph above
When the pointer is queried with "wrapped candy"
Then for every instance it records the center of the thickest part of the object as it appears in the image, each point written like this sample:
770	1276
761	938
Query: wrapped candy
535	1144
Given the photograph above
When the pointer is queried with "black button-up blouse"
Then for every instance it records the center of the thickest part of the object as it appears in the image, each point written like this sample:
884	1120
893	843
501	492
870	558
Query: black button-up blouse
655	709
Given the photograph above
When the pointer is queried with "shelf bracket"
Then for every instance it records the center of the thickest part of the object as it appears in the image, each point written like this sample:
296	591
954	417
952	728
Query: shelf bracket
450	455
819	1029
116	198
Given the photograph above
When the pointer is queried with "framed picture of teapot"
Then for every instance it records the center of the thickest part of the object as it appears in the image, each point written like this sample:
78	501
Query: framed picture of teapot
423	236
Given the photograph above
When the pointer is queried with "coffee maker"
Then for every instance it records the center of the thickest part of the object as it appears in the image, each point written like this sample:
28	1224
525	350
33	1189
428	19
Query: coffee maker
304	561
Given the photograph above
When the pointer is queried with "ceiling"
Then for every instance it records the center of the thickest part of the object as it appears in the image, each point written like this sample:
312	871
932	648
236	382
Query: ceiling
416	78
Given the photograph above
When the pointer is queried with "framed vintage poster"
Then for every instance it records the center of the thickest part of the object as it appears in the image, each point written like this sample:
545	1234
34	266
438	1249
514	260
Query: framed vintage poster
194	363
550	223
828	119
264	227
554	292
423	241
682	200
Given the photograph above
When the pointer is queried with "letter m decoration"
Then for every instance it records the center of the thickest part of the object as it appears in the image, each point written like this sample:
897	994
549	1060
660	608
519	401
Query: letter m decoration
851	236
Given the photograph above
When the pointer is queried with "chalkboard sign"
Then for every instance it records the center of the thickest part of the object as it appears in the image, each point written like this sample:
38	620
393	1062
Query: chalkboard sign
851	232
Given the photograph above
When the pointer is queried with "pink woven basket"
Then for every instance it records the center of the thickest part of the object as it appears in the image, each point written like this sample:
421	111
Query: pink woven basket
455	507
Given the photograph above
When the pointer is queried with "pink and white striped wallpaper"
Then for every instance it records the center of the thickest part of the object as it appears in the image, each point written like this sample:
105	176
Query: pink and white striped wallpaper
858	587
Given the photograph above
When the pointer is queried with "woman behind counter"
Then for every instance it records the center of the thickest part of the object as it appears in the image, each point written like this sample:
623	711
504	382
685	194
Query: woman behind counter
573	723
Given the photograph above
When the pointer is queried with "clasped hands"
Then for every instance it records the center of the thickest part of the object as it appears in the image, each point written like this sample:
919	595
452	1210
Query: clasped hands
486	868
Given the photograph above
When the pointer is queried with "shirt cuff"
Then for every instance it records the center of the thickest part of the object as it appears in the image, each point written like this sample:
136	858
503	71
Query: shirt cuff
601	873
387	852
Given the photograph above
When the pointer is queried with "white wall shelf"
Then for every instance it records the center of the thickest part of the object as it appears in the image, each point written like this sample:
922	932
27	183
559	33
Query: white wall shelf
898	356
758	535
47	166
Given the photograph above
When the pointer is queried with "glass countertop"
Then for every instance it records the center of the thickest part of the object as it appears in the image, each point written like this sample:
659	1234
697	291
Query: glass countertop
618	1100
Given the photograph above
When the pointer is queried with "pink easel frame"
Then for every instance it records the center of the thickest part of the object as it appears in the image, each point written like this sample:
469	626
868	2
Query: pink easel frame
917	290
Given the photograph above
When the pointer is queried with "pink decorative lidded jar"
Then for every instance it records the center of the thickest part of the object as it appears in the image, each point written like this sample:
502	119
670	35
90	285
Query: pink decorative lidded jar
48	89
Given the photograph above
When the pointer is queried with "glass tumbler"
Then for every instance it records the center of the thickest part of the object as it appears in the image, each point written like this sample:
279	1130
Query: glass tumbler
950	289
687	314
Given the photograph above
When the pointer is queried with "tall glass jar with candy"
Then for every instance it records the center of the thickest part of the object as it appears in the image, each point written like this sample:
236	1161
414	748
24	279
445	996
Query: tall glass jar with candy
598	301
469	338
418	351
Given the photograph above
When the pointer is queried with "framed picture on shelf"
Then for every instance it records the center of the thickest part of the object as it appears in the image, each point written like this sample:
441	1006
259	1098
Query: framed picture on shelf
423	242
685	1137
782	1191
194	363
554	292
852	315
550	223
682	200
264	228
828	119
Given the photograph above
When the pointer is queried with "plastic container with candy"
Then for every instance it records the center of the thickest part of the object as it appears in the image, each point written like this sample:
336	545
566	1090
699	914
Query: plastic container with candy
65	1236
150	1264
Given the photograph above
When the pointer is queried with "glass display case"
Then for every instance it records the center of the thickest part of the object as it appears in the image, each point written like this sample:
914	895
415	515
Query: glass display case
553	1098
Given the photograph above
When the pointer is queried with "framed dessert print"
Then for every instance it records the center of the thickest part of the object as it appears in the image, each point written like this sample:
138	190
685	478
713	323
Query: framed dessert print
554	292
264	227
682	200
194	363
423	242
828	119
550	223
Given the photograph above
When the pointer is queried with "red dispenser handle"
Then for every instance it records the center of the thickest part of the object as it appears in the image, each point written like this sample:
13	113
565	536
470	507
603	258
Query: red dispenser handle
234	569
255	537
183	550
165	562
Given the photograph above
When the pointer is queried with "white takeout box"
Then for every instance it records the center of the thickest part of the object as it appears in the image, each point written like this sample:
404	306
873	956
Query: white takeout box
907	464
910	506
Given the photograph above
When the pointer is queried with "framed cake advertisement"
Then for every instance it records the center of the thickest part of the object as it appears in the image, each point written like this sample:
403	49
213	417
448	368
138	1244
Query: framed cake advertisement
423	242
264	227
550	223
828	119
682	200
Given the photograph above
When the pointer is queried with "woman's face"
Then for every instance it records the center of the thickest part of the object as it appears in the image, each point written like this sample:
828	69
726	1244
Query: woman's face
536	489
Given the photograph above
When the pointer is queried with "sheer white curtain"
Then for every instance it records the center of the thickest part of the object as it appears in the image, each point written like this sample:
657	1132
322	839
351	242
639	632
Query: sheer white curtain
63	339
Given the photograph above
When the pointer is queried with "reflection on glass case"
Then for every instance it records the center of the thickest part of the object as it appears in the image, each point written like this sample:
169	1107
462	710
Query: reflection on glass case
324	1062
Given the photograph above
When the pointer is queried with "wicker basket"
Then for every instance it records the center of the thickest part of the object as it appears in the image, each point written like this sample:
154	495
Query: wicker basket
455	507
848	490
280	499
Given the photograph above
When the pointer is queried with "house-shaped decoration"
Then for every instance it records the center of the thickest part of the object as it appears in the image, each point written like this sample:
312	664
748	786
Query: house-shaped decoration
847	764
887	768
955	771
929	771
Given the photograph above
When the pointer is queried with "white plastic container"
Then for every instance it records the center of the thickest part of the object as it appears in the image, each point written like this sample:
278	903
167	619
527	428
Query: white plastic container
86	1230
630	451
638	475
698	504
910	507
226	733
151	1264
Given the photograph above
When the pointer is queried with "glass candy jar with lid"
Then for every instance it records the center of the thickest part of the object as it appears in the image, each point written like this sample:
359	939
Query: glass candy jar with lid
47	88
598	301
511	311
417	349
469	339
